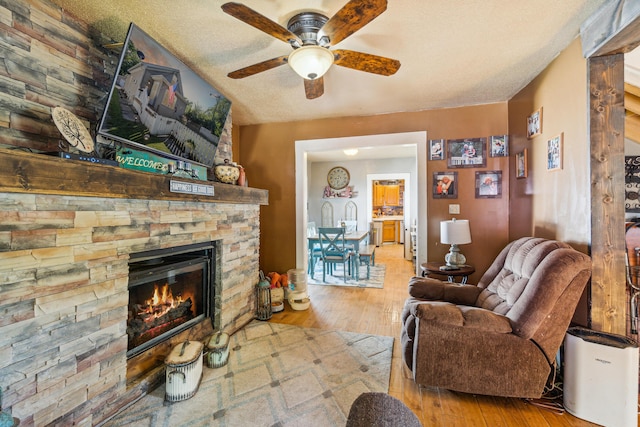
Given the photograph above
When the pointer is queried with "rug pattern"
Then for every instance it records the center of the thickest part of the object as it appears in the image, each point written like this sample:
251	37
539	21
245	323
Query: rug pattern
376	277
277	375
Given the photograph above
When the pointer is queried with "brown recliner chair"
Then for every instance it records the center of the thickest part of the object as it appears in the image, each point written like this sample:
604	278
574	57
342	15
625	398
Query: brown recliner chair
500	337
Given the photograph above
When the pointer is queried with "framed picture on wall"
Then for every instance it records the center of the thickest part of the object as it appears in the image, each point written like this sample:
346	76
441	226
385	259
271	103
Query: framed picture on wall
499	146
436	149
521	164
445	185
554	153
534	123
488	184
467	153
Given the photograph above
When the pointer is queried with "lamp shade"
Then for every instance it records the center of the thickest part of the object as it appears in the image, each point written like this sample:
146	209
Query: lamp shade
310	62
455	232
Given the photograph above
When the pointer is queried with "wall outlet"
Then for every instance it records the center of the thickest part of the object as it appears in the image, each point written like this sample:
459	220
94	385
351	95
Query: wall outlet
454	209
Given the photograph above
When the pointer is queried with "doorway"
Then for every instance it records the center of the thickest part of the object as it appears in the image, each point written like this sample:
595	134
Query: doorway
404	224
305	149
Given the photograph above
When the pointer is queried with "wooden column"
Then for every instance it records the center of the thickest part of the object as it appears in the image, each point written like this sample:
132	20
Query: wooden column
613	30
606	127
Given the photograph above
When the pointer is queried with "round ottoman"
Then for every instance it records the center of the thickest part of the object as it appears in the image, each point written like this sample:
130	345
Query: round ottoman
380	410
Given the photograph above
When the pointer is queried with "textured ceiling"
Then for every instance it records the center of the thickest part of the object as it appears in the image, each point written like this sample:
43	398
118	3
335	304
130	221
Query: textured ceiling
453	52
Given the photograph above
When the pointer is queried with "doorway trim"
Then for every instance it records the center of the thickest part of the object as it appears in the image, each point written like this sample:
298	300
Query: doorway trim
303	147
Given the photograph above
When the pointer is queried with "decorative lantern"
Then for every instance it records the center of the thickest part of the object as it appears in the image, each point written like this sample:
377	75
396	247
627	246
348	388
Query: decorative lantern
264	298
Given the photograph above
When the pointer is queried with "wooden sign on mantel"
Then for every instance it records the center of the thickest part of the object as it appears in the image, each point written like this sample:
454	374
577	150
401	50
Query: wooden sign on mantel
190	188
144	161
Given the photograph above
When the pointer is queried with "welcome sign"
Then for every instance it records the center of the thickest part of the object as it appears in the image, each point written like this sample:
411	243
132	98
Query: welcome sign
145	161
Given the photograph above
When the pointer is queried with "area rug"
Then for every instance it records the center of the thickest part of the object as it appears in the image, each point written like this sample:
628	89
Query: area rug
376	277
277	375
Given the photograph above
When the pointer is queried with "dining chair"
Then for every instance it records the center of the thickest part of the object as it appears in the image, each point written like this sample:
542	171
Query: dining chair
334	251
315	252
350	225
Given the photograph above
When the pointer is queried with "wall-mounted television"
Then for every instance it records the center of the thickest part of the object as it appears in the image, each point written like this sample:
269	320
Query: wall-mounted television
160	106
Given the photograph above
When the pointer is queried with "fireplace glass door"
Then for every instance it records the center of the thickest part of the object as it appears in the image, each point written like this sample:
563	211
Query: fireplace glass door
166	296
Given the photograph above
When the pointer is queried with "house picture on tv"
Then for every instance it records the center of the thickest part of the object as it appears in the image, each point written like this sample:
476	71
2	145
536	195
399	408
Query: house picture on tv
157	102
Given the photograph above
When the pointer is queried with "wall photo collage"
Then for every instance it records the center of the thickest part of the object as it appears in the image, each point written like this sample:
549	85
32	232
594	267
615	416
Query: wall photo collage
468	153
473	152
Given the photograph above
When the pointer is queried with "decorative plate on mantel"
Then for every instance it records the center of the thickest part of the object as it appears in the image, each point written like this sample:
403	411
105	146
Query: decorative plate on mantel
72	129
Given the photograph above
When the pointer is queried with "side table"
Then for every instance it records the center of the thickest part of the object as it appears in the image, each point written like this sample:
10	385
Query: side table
433	269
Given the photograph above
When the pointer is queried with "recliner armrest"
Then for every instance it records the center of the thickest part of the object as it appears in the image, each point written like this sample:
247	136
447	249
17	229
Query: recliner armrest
437	290
445	313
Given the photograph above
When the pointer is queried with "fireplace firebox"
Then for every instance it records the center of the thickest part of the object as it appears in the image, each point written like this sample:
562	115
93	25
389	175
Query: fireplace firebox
170	290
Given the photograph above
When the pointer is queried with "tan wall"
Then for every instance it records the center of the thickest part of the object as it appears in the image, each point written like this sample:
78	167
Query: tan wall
554	204
268	154
546	204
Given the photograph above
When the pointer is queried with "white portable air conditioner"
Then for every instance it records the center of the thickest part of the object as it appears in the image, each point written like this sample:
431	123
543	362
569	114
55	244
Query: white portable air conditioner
601	377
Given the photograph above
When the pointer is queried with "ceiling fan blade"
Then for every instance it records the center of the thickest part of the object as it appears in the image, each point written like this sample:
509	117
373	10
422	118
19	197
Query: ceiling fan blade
261	22
258	68
353	16
314	88
366	62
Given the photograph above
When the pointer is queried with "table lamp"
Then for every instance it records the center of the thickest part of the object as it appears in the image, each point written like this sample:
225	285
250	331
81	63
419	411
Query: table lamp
454	233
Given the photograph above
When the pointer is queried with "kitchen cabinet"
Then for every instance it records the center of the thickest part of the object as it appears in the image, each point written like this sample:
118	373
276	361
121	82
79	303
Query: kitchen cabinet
386	195
392	195
389	231
378	195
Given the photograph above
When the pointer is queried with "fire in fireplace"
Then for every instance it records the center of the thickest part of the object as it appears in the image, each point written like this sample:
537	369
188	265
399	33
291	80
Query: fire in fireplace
169	291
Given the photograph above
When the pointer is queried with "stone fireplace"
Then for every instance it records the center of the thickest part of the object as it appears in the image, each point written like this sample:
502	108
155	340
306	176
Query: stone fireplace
65	254
69	229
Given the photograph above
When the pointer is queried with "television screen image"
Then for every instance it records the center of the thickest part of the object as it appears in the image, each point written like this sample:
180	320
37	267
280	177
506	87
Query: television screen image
158	104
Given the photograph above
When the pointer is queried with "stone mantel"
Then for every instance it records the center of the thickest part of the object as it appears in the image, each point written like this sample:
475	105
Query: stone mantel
24	172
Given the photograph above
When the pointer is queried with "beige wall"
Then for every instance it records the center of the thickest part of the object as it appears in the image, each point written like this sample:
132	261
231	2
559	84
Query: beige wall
554	204
268	154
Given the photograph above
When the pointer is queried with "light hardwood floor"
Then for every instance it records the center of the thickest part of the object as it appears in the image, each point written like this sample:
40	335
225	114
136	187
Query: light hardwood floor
377	311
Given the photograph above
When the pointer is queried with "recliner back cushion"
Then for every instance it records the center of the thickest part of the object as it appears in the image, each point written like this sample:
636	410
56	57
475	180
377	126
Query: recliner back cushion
504	284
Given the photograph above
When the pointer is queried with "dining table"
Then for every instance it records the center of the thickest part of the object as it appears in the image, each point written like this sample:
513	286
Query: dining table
354	238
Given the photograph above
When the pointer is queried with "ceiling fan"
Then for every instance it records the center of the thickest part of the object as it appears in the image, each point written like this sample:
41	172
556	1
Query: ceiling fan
311	34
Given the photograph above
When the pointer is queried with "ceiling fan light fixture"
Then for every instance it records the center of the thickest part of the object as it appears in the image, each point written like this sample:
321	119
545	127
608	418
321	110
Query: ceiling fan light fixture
311	62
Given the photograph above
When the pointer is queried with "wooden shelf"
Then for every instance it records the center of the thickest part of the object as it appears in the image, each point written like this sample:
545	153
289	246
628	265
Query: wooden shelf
23	172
